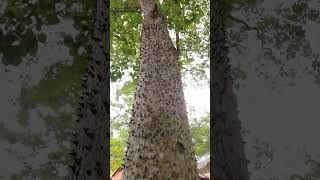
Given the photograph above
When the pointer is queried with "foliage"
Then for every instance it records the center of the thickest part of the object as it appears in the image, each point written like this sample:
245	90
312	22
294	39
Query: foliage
126	19
119	124
117	150
200	129
282	34
23	22
55	96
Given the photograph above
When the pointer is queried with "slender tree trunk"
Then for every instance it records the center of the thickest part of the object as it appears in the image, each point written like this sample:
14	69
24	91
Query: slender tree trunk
159	143
91	155
228	160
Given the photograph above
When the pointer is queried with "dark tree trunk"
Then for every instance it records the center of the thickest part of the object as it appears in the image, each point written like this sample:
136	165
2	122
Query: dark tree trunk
228	160
159	143
91	154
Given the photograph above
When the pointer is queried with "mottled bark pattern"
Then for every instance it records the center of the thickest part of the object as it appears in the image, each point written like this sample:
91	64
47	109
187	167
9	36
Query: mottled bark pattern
228	160
159	143
91	155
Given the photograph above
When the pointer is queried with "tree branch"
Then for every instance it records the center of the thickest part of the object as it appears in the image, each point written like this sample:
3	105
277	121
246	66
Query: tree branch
133	10
248	27
243	23
66	7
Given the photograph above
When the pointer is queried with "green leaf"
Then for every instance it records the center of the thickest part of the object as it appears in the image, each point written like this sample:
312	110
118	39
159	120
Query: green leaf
42	38
68	40
12	55
128	88
52	19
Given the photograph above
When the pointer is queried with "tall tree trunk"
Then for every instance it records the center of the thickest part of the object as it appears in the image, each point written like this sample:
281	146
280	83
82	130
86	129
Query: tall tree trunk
91	155
228	160
159	142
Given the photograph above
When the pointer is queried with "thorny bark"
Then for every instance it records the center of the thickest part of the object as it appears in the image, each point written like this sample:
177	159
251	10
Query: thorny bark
91	152
159	144
228	160
177	42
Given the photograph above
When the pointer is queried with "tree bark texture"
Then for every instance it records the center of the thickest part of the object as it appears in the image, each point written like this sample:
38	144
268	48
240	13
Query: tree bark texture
91	152
228	160
159	143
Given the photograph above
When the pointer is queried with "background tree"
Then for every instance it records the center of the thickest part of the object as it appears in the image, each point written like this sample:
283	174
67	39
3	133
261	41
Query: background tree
91	154
228	159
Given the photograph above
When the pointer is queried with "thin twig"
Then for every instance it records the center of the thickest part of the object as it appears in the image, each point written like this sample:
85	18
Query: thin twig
248	27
